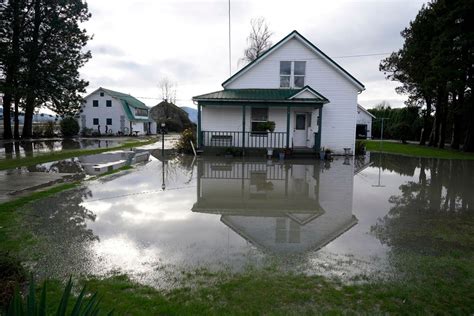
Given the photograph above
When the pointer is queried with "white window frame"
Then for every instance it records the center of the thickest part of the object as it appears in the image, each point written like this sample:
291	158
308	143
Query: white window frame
292	74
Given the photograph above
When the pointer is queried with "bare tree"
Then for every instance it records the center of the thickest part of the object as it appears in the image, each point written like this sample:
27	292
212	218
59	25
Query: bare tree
168	89
258	40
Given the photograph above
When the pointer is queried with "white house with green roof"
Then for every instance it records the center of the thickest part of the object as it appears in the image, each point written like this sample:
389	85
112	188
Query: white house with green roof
115	113
309	99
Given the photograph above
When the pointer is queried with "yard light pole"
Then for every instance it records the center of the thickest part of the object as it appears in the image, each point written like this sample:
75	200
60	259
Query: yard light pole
163	185
163	125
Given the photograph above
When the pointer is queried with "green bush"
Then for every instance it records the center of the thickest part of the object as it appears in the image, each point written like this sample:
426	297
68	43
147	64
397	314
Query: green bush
34	306
48	130
11	274
360	147
69	127
266	126
184	142
401	131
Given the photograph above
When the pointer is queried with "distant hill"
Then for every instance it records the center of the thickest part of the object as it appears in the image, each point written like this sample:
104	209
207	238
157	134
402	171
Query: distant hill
192	113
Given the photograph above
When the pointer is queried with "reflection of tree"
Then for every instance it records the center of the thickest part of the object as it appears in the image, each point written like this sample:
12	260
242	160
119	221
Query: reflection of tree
430	215
67	144
60	223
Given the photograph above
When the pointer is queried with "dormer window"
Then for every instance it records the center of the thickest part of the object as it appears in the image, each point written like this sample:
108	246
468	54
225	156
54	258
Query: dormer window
292	74
141	112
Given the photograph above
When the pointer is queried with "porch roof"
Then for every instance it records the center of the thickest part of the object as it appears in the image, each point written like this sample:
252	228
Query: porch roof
263	95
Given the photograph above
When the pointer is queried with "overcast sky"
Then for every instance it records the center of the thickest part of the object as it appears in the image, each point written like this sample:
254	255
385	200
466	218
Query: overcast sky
138	42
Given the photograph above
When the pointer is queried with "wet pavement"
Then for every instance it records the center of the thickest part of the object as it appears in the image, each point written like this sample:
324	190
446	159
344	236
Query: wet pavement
343	218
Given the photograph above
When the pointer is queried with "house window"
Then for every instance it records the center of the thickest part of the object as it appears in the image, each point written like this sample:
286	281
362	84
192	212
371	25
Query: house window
108	103
109	121
101	94
285	74
95	121
299	73
258	116
292	74
95	103
141	112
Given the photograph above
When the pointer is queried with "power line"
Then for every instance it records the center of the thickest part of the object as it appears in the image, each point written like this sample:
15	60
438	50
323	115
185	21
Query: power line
317	58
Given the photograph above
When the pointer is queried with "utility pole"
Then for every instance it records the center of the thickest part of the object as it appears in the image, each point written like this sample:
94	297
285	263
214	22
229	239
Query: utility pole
230	51
381	130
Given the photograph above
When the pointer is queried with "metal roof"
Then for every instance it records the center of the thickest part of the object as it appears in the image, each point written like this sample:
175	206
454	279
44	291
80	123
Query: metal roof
284	95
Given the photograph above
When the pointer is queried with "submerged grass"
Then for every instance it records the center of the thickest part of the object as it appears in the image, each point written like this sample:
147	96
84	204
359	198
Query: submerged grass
270	292
12	237
416	150
65	154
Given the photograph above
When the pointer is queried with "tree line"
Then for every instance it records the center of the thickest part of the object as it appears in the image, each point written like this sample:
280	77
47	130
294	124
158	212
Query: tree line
435	67
41	50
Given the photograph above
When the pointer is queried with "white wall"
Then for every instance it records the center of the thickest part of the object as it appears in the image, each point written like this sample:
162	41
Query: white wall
102	112
365	119
339	116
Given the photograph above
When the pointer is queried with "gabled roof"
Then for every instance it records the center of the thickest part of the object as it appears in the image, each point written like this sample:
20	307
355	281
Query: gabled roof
262	95
308	44
127	101
127	98
364	110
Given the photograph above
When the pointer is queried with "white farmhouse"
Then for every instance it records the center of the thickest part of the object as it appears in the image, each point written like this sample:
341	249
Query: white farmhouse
364	123
308	97
115	113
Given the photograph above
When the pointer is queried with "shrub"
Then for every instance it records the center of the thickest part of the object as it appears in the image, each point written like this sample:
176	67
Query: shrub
360	147
49	129
401	131
38	131
32	305
11	274
184	145
69	127
266	126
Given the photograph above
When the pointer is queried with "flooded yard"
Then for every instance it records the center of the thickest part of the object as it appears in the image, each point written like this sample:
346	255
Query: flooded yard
29	148
348	218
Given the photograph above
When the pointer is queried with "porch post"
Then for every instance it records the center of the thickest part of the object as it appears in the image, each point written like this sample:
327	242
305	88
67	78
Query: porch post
287	126
243	127
320	126
199	134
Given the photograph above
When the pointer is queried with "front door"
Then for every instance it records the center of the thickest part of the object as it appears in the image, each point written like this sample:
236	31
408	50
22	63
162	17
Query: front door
300	132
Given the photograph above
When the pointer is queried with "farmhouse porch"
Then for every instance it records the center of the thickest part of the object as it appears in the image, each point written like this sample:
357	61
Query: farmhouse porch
239	118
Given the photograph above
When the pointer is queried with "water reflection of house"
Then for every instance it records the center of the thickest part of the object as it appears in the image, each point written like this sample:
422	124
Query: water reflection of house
280	207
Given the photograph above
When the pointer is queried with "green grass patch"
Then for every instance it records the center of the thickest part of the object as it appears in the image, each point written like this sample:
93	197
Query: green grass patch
65	154
12	236
273	293
416	150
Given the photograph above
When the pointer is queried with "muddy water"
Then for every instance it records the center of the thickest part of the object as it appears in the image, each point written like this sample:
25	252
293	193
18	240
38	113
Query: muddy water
344	218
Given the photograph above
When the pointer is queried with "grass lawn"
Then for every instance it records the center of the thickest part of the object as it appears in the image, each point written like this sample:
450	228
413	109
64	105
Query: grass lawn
65	154
417	150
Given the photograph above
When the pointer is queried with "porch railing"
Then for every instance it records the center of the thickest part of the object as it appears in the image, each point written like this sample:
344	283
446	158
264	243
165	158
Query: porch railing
243	139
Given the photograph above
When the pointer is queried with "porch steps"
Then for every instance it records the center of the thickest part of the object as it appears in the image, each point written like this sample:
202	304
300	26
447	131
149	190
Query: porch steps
304	153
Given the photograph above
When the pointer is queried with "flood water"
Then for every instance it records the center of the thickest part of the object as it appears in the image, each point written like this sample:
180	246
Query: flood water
343	218
29	148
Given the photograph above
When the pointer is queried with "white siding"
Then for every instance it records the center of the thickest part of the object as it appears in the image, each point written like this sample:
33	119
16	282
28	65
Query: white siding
339	116
102	112
365	119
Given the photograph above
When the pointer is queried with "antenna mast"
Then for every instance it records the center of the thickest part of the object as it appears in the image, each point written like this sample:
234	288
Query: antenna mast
230	51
